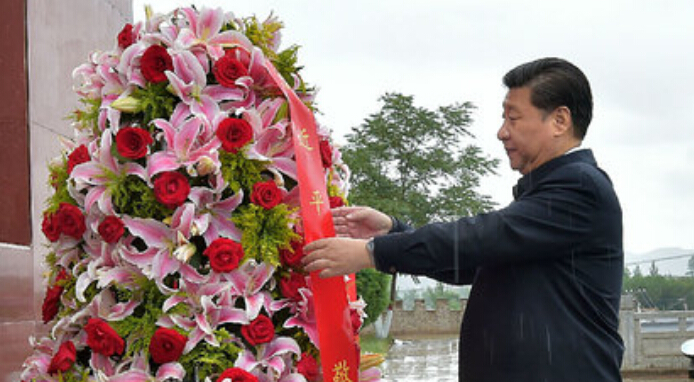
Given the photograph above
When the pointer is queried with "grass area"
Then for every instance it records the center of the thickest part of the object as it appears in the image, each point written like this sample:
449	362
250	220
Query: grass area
371	344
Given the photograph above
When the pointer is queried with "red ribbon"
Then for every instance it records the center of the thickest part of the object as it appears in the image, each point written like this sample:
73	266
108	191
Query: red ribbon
338	348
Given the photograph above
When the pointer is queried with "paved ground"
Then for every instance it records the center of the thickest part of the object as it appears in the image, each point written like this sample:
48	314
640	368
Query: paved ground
436	360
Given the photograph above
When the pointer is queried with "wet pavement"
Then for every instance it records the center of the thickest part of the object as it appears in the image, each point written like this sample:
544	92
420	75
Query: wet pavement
422	359
436	360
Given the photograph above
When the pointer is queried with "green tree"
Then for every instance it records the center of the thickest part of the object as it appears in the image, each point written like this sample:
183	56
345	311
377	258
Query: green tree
654	270
417	164
690	267
374	288
661	292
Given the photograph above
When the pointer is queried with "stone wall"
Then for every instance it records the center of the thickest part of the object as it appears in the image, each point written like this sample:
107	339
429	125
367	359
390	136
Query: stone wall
652	340
659	347
419	320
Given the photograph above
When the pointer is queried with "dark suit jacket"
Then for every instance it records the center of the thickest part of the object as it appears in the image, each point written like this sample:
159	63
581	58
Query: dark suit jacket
546	275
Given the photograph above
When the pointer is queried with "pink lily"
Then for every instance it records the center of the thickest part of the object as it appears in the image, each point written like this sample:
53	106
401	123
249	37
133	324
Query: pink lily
130	63
210	315
102	172
247	282
185	146
304	315
214	213
270	356
189	81
272	143
139	371
36	365
168	248
204	29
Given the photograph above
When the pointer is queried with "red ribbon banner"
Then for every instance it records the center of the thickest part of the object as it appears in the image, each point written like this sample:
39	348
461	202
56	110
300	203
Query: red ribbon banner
338	349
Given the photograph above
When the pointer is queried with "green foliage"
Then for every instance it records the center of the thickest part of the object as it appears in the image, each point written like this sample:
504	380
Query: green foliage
661	292
286	64
140	326
209	360
59	177
265	231
87	118
374	288
240	172
653	270
263	34
132	196
440	292
690	267
156	101
413	163
372	344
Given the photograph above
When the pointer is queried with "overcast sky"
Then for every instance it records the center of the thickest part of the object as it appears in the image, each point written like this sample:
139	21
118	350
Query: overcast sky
638	55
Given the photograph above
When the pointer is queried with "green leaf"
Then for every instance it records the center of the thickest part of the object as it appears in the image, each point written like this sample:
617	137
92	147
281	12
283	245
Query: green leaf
265	231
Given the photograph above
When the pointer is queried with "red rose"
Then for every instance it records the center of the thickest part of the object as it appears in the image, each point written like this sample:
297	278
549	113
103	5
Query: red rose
111	229
292	258
225	255
234	134
356	321
259	331
171	189
125	37
336	201
63	359
102	338
236	374
326	153
155	61
50	227
51	303
166	345
266	194
290	286
77	156
70	220
132	142
228	69
308	367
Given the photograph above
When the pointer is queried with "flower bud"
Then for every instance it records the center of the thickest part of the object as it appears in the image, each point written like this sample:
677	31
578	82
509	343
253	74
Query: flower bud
127	105
206	166
184	252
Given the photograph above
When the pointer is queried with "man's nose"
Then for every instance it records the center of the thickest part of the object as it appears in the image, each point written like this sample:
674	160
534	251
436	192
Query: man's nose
502	134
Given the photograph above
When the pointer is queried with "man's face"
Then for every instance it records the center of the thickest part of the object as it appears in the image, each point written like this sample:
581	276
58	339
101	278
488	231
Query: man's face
526	132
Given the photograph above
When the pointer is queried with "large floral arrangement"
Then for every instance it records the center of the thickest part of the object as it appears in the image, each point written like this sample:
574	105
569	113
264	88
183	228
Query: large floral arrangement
174	227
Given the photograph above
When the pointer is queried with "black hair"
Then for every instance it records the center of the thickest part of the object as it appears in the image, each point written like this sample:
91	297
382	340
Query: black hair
555	82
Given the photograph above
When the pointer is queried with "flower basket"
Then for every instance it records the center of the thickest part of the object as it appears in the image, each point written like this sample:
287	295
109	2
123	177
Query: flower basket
175	231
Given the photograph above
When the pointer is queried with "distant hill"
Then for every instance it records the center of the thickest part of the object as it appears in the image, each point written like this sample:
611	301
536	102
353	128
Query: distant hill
673	267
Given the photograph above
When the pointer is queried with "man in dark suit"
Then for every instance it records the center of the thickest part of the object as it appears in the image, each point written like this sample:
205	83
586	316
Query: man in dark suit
546	271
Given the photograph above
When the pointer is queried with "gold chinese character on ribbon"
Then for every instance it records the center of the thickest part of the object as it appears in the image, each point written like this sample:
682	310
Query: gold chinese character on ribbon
303	140
317	200
341	371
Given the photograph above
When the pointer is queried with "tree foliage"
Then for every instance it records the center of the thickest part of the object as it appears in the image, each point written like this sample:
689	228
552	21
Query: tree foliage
414	163
417	164
374	287
690	267
660	292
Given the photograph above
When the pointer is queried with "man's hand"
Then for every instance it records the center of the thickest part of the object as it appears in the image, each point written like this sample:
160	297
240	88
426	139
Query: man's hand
336	256
360	222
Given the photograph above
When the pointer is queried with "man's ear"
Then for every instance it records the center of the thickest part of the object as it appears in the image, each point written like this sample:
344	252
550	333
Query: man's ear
561	120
